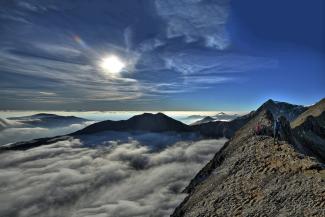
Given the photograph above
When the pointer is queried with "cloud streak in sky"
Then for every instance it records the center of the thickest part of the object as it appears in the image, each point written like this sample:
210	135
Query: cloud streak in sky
128	179
52	47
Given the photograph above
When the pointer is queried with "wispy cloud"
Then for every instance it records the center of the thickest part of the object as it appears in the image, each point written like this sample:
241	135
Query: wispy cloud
169	47
196	20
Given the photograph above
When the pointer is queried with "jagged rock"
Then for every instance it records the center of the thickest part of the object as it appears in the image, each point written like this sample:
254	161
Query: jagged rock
310	136
309	131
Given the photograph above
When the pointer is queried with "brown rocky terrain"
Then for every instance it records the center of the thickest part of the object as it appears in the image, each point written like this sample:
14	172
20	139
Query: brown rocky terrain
252	176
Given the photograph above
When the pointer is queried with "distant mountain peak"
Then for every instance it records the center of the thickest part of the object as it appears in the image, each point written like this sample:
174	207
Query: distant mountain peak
148	122
47	120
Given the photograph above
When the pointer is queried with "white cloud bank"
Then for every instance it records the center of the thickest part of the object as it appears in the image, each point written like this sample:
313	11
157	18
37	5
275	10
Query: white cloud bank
17	132
68	179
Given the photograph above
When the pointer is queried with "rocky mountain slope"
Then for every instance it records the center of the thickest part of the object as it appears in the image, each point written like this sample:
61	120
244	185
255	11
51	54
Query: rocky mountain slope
314	110
227	129
309	131
252	176
287	110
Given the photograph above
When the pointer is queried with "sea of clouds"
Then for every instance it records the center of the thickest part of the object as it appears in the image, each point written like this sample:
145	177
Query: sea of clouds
14	131
69	179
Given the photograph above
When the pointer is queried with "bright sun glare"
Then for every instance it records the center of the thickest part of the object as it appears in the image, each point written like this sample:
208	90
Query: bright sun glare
112	65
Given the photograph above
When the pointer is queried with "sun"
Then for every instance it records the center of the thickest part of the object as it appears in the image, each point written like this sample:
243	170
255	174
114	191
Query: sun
112	65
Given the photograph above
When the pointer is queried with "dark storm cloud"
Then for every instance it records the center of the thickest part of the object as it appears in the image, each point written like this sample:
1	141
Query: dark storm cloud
127	179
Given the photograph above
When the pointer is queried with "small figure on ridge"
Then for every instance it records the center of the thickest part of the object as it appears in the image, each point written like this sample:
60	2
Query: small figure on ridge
276	130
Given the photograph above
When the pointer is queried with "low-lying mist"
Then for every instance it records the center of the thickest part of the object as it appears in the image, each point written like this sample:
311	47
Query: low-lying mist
69	179
17	133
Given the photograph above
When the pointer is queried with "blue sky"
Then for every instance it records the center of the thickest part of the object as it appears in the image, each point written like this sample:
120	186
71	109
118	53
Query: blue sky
176	55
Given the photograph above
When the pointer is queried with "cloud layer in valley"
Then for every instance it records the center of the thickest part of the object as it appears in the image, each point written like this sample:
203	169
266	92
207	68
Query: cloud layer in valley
14	131
118	179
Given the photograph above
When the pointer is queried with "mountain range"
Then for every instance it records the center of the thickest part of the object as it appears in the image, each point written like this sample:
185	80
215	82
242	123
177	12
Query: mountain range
250	175
221	116
160	122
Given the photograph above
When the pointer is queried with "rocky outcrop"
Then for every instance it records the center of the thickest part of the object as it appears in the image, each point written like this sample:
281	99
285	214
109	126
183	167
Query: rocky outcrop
315	110
309	131
252	176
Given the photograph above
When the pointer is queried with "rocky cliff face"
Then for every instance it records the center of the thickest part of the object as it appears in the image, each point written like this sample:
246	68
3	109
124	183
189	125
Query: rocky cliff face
309	131
252	176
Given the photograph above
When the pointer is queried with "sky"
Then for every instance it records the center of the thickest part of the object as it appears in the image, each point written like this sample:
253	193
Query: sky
160	54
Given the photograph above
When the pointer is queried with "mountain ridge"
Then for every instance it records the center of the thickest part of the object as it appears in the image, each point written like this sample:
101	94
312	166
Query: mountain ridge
160	122
252	176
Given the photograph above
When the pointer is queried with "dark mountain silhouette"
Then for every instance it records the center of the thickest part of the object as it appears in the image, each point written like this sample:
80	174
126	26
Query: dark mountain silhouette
146	122
252	176
204	120
289	111
47	120
162	123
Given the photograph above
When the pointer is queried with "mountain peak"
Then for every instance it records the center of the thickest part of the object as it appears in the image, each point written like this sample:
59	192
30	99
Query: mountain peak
148	122
289	111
